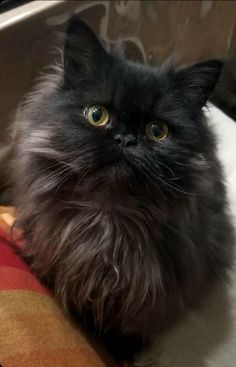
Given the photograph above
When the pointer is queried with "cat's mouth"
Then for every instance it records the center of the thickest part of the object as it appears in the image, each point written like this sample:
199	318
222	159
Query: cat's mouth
121	165
119	169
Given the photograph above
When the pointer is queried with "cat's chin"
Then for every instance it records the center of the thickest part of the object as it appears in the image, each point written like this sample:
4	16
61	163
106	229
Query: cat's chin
118	170
118	176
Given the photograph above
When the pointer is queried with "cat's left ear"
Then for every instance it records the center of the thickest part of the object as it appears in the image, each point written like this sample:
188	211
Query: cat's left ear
83	52
198	81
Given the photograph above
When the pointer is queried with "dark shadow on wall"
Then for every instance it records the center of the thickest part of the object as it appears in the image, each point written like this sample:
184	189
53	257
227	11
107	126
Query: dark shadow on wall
224	95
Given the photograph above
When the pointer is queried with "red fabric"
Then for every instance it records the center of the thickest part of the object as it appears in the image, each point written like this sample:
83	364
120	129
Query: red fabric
9	277
8	257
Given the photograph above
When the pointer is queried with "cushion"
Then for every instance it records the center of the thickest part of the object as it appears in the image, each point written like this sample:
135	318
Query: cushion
34	329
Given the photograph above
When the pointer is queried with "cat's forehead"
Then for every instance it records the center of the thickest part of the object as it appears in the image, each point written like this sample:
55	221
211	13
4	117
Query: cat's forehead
124	86
134	85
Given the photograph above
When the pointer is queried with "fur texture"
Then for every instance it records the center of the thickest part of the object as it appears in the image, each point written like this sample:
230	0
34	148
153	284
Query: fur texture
127	238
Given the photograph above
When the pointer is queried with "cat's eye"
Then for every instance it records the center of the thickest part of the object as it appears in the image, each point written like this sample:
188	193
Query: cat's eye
97	115
157	132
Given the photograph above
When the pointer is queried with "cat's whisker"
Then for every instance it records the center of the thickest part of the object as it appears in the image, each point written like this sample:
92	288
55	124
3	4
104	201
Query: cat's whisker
180	189
146	172
176	178
49	167
164	165
63	179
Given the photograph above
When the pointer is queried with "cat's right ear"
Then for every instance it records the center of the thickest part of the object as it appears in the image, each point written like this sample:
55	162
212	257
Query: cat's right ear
83	52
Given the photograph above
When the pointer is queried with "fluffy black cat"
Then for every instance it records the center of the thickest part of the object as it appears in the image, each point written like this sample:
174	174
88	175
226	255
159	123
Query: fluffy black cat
120	194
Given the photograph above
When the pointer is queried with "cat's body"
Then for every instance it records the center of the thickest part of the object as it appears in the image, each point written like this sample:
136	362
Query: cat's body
128	230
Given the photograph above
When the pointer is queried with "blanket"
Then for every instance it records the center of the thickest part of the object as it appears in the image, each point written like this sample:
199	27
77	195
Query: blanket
34	330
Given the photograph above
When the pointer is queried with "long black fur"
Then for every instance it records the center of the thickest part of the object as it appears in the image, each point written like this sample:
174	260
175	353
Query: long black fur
126	238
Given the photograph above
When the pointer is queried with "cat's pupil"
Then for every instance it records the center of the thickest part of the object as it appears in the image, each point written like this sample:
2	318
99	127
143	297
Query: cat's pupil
97	114
156	130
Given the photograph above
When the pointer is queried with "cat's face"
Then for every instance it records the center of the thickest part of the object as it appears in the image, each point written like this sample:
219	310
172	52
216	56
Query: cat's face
113	122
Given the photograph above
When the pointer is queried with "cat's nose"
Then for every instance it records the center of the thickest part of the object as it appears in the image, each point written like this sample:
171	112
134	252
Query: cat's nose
125	140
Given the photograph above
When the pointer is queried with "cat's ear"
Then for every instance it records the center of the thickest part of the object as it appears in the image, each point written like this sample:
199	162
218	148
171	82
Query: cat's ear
83	52
198	81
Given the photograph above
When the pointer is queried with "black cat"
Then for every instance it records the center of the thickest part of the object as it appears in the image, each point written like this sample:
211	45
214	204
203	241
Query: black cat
120	195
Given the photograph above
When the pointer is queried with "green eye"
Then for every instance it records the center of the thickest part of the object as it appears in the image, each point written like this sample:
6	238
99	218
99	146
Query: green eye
157	132
97	115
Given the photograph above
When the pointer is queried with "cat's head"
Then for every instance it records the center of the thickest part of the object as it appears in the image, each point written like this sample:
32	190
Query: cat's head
112	122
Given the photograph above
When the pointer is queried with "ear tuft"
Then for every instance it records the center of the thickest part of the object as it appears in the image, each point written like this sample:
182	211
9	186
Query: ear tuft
83	51
198	81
